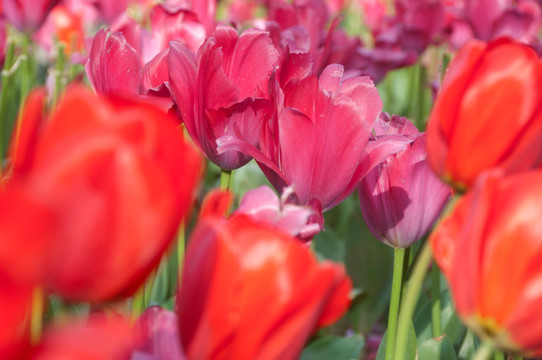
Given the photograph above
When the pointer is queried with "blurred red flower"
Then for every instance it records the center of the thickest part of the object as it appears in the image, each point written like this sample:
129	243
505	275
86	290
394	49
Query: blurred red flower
490	251
235	269
115	178
488	113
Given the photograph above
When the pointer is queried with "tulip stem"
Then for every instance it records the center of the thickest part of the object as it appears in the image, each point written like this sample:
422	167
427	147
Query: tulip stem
225	179
26	69
137	302
517	357
36	317
181	243
395	300
59	66
435	300
484	352
499	355
409	301
6	84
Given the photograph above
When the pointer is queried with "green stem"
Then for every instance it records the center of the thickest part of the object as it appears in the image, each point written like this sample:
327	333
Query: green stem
517	357
225	179
181	243
409	301
6	84
36	317
422	79
435	300
137	303
499	355
59	68
396	288
484	352
26	70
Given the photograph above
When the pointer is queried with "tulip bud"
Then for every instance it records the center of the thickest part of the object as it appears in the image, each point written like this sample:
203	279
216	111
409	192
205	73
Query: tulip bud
488	113
401	198
489	250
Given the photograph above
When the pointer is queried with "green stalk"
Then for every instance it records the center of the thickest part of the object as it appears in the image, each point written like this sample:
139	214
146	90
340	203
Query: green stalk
225	179
409	301
396	288
435	300
517	357
6	84
26	69
36	316
484	352
499	355
137	303
181	243
59	68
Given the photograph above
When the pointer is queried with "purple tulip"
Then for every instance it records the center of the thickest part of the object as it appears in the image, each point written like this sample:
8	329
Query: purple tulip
401	198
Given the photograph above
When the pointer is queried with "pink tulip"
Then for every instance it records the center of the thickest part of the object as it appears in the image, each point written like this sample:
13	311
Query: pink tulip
113	66
27	15
401	198
318	139
223	91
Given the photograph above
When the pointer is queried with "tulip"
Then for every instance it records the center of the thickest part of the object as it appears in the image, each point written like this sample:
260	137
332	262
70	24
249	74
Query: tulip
27	15
318	122
489	250
99	338
159	329
235	269
401	198
113	67
473	126
215	94
115	183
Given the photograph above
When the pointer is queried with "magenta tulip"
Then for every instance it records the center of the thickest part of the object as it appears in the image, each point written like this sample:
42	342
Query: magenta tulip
27	15
401	198
223	91
318	141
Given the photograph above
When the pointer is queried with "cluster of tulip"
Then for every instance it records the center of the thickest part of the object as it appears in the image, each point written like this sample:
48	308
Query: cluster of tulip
101	187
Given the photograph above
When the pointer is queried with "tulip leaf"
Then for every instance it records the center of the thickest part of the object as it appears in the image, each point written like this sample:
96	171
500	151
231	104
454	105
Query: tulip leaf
452	326
334	347
327	245
411	353
437	349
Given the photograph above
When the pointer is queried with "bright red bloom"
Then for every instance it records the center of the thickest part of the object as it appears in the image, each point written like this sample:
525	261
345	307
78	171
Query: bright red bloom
223	91
490	251
27	15
235	269
488	113
117	178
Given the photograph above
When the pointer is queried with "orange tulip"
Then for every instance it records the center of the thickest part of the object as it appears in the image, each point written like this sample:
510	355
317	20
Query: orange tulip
488	113
233	271
490	250
114	178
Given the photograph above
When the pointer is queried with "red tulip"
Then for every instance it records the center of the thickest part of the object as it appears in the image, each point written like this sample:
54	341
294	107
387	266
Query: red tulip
116	183
490	251
473	126
223	91
234	270
402	198
27	15
159	329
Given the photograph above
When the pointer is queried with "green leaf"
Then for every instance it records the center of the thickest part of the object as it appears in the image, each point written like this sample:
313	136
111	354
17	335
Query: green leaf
334	347
437	349
411	346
